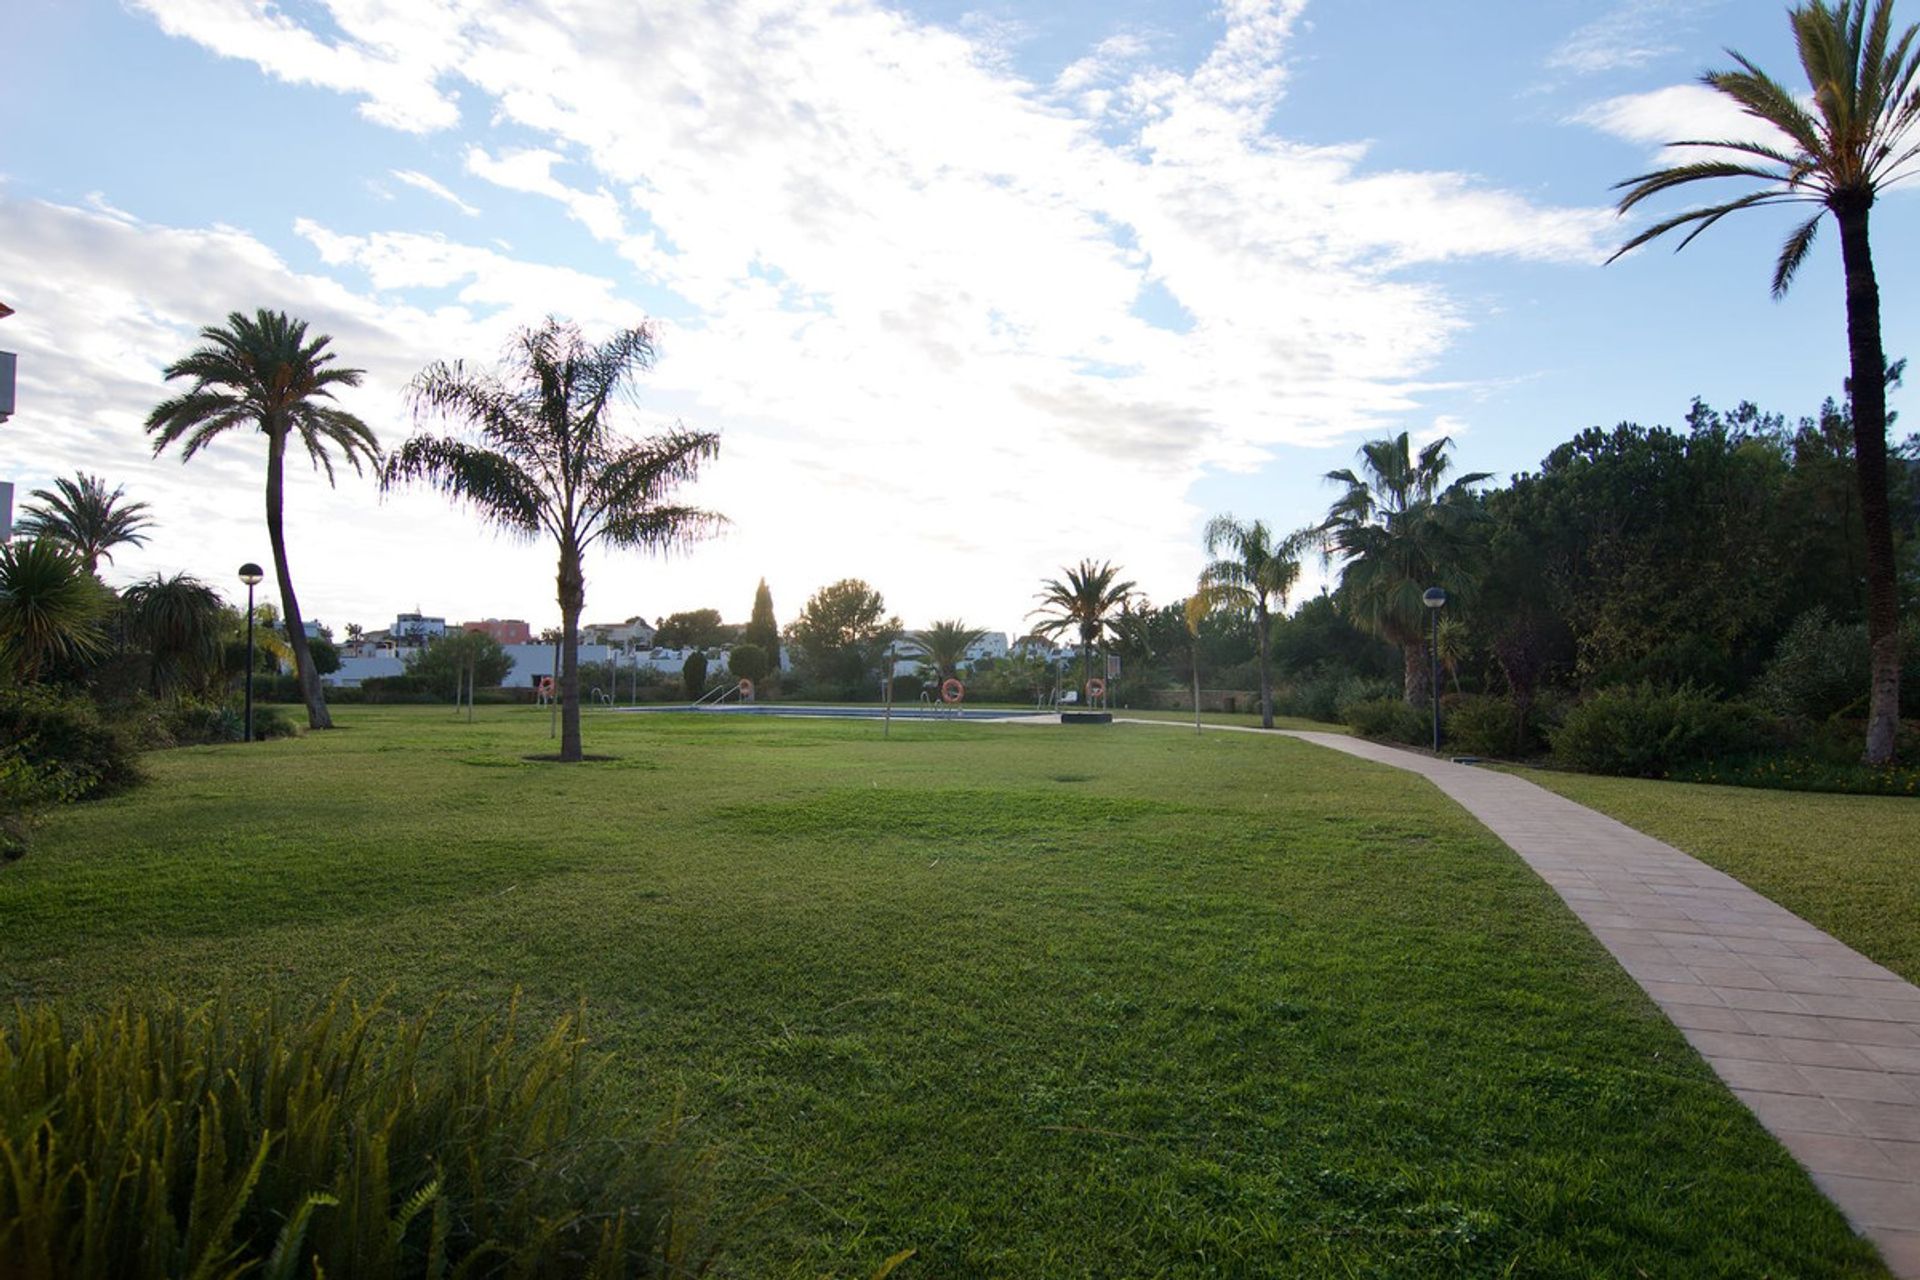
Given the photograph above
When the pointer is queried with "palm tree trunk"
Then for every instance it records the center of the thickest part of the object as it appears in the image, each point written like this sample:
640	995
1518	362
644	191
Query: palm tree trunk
573	595
1869	369
1266	669
317	715
1417	681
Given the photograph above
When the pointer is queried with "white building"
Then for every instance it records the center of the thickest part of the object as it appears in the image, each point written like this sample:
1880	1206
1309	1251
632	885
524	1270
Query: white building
417	628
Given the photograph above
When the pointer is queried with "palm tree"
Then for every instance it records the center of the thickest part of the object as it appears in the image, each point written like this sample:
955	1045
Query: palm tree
541	455
265	372
943	646
181	623
1855	142
51	608
1398	531
83	514
1254	576
1087	601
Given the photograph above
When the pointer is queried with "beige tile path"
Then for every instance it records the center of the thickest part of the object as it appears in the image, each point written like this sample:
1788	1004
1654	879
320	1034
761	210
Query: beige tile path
1820	1042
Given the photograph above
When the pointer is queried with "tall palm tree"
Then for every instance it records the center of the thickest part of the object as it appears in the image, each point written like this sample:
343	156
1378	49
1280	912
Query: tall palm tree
540	455
1087	601
263	371
1252	575
943	646
1399	529
51	608
82	513
180	622
1857	141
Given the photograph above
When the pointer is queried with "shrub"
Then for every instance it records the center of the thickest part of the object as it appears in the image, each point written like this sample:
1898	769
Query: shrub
25	789
67	737
1646	732
1483	725
1821	669
693	676
748	661
159	1139
1388	718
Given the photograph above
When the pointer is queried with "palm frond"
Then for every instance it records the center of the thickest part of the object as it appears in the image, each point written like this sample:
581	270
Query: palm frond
493	484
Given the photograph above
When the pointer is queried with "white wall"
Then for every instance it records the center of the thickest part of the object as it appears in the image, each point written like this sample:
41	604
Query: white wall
353	670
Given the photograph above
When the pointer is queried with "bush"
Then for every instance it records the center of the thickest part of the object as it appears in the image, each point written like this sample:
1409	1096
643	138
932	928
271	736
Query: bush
749	662
1482	725
161	1139
1821	668
25	789
67	739
1646	732
1388	718
693	676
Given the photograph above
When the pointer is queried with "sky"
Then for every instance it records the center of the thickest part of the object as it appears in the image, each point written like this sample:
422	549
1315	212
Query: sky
969	292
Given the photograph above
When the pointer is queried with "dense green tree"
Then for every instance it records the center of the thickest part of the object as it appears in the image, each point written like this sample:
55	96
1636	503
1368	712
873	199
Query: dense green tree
1085	603
1398	529
693	675
1857	139
692	629
85	515
748	662
51	609
843	633
444	664
539	454
179	624
264	372
943	646
762	629
1253	576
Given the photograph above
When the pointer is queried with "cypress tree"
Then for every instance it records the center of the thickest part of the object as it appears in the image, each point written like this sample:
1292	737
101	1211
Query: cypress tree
761	627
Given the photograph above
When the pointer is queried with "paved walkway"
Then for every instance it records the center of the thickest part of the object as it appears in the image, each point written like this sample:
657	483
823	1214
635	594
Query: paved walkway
1820	1042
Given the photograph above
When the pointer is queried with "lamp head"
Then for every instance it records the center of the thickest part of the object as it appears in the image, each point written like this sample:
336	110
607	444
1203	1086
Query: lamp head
1434	597
250	574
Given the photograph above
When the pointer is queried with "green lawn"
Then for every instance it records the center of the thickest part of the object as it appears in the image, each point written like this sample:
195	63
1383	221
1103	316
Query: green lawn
1849	864
1031	1001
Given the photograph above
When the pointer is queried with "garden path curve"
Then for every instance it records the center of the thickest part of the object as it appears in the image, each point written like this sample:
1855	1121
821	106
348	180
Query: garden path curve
1821	1043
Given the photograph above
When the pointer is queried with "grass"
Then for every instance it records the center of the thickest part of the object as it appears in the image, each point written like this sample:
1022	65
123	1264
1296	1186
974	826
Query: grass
1849	864
1029	1001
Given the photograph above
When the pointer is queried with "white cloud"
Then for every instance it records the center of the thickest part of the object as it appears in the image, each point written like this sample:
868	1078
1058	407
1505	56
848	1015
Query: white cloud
413	178
1677	113
1631	34
914	276
393	58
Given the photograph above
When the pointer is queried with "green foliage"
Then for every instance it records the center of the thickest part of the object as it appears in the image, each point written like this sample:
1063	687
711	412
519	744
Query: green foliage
1388	718
1647	732
441	667
326	654
27	788
51	608
1483	725
943	646
842	635
762	629
85	516
179	624
693	675
68	741
748	661
690	629
1086	602
157	1139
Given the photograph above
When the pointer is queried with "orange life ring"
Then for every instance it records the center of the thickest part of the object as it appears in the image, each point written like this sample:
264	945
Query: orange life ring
1096	688
545	684
951	690
746	687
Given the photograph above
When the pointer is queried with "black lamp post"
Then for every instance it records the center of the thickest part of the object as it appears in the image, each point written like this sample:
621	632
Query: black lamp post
251	575
1435	598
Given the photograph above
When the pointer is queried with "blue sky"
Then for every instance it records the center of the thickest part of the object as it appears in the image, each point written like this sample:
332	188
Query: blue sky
969	291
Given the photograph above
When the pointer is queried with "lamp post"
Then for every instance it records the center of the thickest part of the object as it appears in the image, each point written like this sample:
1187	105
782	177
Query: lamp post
1435	598
250	574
